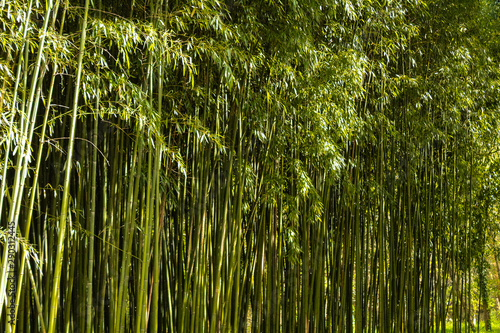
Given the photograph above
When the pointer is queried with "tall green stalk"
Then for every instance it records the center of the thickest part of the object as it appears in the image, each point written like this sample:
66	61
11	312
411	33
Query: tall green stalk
65	197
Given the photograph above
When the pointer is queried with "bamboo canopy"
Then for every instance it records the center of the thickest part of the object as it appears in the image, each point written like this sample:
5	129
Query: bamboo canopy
248	166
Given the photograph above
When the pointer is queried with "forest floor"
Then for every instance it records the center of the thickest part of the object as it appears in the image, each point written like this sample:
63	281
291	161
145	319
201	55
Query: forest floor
495	327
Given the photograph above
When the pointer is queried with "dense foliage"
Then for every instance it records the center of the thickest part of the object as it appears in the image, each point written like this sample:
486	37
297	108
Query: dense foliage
263	166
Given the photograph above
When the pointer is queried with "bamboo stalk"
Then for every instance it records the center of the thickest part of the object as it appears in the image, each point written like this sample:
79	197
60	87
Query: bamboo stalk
65	197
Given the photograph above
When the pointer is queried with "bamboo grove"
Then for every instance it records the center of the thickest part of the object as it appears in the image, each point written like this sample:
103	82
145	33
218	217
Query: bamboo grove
247	166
